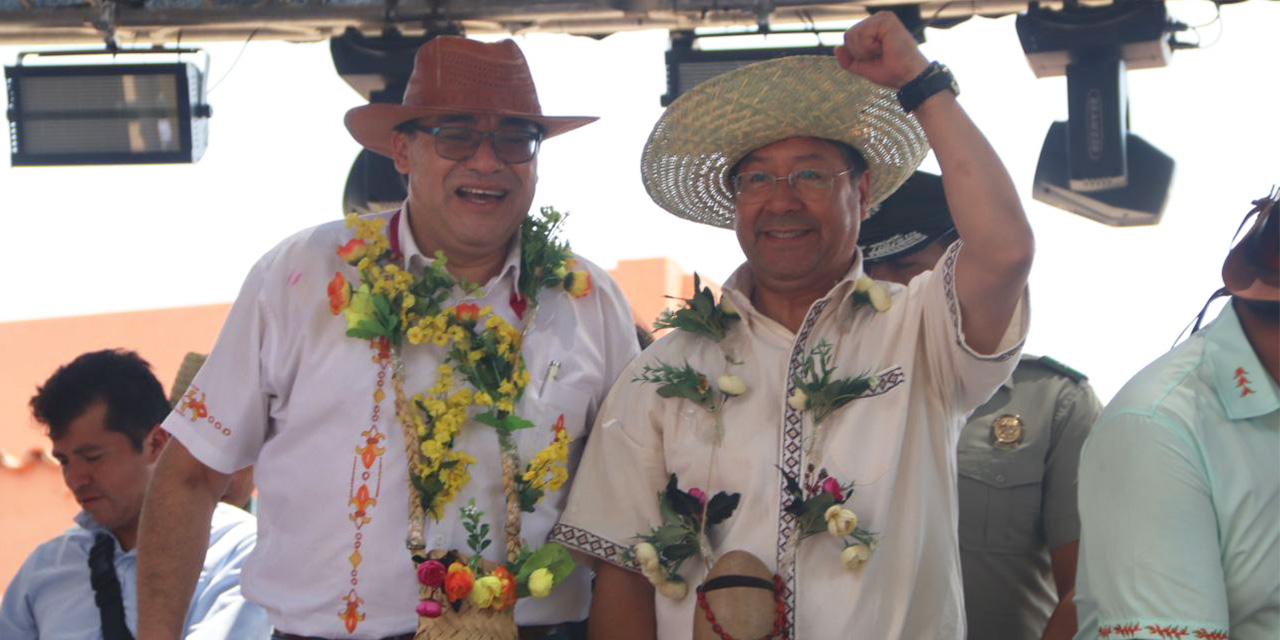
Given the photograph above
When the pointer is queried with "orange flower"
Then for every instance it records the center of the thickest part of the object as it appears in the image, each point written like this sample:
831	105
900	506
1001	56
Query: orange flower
352	251
578	283
508	596
467	313
339	294
457	583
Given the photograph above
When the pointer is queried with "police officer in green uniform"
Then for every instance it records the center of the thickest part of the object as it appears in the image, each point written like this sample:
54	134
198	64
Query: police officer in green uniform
1017	454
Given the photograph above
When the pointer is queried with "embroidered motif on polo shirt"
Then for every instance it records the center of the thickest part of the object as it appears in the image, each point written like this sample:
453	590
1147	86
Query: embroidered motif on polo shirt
1242	382
1163	632
194	408
366	486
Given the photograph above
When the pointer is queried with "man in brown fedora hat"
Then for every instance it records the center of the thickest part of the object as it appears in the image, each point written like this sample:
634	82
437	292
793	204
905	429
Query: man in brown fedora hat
1180	477
327	373
827	403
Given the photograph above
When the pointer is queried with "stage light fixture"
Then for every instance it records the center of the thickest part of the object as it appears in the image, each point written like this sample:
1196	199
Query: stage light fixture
1139	202
688	66
1086	165
91	114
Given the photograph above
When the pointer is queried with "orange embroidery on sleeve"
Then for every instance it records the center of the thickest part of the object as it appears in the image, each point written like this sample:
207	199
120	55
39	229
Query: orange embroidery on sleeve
194	408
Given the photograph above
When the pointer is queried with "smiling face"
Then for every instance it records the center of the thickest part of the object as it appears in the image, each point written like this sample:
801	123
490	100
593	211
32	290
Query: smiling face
468	208
794	244
107	475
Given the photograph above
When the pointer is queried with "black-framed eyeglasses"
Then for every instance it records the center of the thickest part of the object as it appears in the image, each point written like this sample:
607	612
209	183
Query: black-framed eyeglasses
512	146
807	184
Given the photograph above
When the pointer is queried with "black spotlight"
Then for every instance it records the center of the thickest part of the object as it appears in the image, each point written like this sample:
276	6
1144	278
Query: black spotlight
1141	201
1090	164
378	68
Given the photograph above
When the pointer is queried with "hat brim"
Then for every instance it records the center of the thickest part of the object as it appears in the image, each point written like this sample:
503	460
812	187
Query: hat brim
707	130
373	125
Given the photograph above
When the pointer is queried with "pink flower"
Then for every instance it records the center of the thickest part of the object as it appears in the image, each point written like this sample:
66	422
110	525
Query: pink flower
832	486
430	608
698	495
431	573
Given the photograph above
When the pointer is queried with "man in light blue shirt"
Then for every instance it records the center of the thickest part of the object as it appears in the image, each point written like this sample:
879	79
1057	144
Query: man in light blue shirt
102	412
1180	477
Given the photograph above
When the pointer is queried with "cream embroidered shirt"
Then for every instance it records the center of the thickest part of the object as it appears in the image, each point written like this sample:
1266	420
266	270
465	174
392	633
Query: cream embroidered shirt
285	389
897	442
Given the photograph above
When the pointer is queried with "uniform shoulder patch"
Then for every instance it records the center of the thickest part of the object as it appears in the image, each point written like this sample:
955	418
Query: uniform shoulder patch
1059	368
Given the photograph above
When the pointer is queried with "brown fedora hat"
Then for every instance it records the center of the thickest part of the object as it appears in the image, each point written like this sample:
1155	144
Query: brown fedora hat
1252	269
456	75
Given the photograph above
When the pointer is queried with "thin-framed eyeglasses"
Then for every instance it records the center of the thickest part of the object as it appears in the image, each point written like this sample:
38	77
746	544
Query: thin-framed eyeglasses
512	146
808	184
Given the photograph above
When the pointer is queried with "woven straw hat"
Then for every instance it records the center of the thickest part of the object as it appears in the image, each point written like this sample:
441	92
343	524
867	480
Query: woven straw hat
191	364
456	75
706	131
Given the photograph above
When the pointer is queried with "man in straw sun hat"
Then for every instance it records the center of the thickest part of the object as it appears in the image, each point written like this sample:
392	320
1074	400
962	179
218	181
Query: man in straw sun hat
343	333
828	403
1179	479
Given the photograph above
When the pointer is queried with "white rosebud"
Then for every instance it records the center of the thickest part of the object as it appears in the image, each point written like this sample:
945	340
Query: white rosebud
653	574
854	555
646	556
731	385
798	400
674	589
880	300
863	284
873	381
726	305
840	521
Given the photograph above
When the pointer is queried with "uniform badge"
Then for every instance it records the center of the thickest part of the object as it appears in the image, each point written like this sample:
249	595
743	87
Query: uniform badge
1006	431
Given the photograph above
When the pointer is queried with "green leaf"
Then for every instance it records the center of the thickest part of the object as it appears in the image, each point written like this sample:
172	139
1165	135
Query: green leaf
721	507
506	424
678	553
669	534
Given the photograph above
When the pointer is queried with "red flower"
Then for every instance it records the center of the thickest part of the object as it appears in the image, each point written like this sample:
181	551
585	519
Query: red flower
430	608
458	582
431	573
697	494
352	251
467	313
832	486
339	294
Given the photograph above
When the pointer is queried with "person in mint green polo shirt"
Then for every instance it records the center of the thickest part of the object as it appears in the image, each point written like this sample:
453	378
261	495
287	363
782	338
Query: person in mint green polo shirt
1180	477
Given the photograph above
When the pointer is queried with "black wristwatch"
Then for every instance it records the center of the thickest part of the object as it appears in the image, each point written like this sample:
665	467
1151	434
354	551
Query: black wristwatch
935	77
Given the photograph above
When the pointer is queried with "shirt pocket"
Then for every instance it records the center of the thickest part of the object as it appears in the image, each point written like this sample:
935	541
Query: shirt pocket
1000	498
559	403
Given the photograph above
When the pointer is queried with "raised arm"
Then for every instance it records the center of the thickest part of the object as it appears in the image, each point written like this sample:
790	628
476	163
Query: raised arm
173	538
991	272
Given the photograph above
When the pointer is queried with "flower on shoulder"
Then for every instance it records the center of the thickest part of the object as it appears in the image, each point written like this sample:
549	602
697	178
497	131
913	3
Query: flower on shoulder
352	252
577	283
832	486
700	314
339	293
868	291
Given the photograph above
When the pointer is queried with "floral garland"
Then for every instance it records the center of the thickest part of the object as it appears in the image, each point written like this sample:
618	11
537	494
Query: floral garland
817	504
481	350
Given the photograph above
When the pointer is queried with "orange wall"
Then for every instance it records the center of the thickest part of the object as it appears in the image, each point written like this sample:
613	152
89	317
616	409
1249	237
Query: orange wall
37	504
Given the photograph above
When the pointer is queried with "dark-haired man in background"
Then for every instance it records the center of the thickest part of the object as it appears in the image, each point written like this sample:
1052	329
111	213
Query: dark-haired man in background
102	412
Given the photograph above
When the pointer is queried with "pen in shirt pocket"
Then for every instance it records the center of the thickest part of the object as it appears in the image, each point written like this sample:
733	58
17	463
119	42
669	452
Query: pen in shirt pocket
553	369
